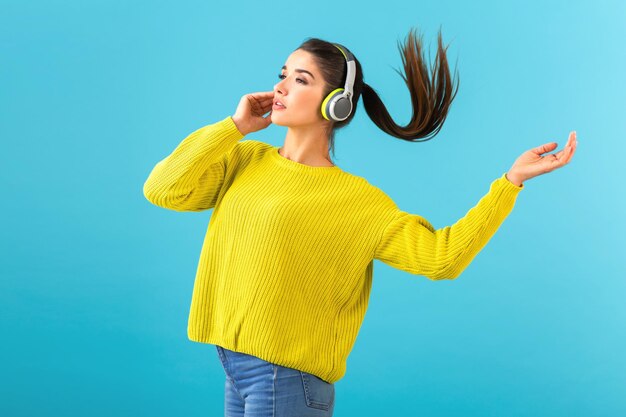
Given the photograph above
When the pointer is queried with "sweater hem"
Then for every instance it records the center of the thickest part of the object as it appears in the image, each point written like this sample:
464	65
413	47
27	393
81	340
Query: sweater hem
218	342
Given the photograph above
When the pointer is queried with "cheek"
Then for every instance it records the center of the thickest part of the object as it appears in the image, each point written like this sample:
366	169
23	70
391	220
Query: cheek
307	102
315	99
308	97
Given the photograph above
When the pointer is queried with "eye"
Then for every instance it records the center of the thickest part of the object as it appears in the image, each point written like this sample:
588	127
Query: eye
281	76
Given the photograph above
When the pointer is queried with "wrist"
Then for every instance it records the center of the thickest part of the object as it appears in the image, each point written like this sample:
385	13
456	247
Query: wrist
239	125
514	179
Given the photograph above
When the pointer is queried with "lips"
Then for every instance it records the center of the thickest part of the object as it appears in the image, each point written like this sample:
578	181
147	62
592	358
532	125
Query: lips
279	106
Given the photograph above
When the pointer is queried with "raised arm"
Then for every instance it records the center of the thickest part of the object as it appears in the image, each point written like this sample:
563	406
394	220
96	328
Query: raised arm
190	178
410	243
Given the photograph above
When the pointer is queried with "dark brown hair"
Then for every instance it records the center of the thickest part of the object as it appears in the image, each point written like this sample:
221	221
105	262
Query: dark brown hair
431	98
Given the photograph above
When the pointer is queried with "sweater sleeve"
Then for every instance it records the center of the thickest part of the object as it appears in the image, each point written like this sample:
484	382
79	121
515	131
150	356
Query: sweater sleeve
190	178
410	243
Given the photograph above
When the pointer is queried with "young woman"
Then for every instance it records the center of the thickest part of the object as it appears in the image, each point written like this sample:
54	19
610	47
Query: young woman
286	267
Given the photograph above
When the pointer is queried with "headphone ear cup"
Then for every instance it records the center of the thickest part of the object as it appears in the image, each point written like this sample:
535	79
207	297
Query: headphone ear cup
342	108
333	96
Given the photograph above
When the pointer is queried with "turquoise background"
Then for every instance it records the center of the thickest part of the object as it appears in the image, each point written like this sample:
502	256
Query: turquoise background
96	282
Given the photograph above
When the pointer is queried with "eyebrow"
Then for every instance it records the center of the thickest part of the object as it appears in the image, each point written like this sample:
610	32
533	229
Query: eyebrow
299	70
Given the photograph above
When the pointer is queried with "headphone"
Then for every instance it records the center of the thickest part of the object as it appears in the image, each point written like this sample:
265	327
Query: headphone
337	105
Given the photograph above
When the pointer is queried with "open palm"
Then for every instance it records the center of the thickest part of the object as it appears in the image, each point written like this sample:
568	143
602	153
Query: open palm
532	162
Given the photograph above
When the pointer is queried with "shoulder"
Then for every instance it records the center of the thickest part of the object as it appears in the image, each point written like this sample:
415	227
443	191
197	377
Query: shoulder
372	193
250	146
245	150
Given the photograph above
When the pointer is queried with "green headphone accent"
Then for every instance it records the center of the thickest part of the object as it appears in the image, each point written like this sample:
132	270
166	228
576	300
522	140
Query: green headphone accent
337	105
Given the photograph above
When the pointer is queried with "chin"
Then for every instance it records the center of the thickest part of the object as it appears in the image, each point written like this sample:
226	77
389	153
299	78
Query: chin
276	121
282	120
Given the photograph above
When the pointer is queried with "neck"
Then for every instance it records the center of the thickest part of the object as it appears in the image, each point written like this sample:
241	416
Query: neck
307	146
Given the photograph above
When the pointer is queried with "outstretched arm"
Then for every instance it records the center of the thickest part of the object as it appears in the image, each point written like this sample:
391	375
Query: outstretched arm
410	242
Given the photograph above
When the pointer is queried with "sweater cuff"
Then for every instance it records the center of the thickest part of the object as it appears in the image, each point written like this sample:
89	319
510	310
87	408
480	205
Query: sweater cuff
510	184
230	127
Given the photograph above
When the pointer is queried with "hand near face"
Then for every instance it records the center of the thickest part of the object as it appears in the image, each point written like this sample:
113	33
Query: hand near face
249	114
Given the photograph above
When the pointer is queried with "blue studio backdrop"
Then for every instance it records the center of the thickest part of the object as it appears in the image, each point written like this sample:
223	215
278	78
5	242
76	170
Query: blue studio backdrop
96	281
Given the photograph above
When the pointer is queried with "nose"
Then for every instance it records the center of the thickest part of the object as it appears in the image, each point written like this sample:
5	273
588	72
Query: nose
279	87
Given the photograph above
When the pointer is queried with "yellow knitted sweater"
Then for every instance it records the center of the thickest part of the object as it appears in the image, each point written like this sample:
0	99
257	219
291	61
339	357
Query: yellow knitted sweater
286	266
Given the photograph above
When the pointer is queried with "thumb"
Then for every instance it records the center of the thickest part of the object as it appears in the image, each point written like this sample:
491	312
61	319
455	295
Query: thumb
546	147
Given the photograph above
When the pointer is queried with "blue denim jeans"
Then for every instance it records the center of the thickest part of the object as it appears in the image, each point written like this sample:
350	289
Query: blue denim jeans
257	388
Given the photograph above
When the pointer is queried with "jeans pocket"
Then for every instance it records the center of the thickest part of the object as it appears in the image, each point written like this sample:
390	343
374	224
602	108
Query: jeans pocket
317	392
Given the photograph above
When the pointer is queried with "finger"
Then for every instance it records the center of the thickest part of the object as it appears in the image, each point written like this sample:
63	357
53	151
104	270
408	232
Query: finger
572	146
546	147
555	158
256	98
571	152
262	109
568	155
565	153
263	103
263	94
565	156
570	140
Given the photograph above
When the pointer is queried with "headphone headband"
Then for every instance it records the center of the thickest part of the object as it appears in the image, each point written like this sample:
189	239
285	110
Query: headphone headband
351	64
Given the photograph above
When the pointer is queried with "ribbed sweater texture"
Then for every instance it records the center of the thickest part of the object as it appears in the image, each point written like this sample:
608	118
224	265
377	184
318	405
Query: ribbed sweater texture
286	265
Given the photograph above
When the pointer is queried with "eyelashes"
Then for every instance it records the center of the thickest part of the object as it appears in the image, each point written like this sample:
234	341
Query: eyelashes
281	76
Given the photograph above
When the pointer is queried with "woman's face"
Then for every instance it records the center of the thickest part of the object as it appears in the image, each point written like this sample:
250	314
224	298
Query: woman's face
300	92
